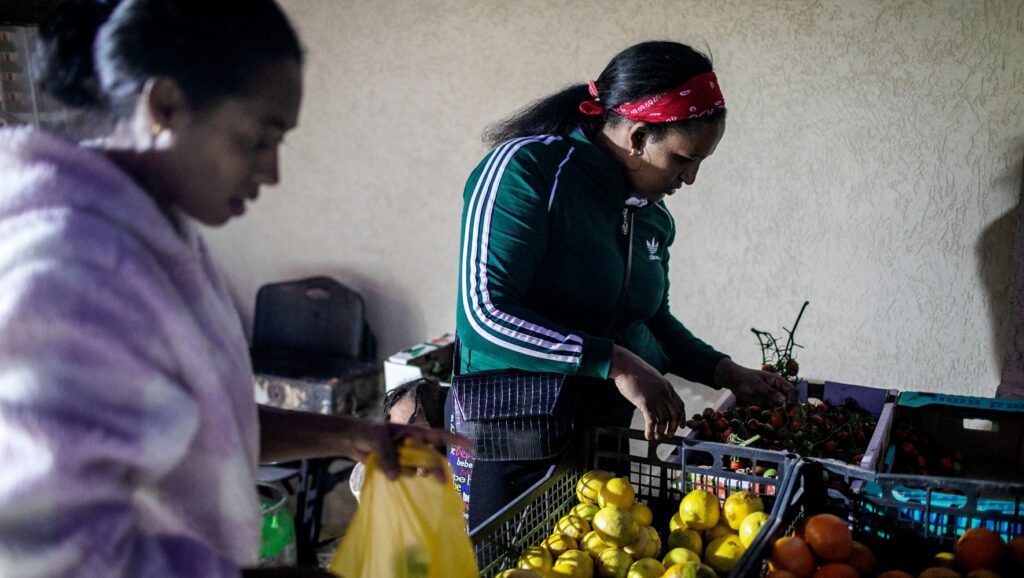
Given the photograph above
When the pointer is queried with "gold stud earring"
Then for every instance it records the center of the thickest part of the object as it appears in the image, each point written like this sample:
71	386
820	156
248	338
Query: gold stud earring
156	128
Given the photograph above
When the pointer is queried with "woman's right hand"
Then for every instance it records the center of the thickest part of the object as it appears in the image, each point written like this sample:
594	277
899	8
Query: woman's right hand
649	391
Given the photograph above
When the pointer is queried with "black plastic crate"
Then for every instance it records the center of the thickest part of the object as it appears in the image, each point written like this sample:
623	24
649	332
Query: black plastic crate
500	541
900	517
662	473
707	466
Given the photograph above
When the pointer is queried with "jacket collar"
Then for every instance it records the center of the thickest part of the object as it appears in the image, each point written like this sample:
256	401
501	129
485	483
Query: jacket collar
613	183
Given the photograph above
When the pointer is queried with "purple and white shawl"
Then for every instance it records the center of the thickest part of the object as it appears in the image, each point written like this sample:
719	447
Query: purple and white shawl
128	431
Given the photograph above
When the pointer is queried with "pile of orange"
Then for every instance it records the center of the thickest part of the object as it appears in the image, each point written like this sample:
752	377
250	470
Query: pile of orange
825	548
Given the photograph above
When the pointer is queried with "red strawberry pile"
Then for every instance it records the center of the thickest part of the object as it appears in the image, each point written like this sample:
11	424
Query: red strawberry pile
816	429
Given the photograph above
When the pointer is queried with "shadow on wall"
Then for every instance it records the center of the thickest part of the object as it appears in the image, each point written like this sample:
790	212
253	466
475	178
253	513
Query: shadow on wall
1000	253
995	267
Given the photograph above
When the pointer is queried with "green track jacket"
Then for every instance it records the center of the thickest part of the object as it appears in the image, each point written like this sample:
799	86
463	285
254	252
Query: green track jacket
546	228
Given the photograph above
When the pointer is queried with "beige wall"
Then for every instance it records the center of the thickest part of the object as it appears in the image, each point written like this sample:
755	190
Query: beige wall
872	165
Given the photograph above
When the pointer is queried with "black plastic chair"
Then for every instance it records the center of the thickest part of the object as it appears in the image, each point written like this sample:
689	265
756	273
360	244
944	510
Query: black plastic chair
310	328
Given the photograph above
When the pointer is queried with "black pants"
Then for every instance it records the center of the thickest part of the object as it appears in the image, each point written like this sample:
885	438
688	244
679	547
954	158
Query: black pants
495	484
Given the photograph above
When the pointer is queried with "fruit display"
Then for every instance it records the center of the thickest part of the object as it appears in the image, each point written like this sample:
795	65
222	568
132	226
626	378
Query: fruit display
822	546
915	454
814	429
608	534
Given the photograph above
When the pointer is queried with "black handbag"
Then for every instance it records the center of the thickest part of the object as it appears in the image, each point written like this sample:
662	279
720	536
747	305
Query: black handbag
516	415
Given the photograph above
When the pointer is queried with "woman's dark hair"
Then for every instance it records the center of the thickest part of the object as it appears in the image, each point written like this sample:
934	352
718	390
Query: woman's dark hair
636	72
427	394
98	54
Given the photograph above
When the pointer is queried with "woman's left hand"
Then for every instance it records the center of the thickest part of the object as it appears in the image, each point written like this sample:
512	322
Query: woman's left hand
753	386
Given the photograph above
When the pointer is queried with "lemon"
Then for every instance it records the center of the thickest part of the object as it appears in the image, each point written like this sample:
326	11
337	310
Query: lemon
615	526
685	538
592	544
558	544
720	529
678	556
574	563
642	514
689	570
646	568
537	559
699	510
740	505
585	511
723	553
590	484
750	526
573	526
675	523
655	541
616	492
944	559
518	573
567	571
646	545
577	557
613	563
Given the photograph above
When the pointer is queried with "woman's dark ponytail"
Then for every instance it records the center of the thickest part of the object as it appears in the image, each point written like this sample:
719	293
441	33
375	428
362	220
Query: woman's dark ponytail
635	73
555	114
64	53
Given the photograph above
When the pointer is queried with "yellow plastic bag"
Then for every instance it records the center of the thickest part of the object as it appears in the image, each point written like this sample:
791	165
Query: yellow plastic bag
408	528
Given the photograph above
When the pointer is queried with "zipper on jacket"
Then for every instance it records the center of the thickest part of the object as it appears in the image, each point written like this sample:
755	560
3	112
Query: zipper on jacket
620	304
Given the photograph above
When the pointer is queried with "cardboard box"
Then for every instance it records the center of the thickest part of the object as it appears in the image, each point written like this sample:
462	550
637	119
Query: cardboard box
428	359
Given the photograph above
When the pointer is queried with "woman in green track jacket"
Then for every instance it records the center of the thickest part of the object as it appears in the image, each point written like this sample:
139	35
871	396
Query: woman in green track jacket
564	254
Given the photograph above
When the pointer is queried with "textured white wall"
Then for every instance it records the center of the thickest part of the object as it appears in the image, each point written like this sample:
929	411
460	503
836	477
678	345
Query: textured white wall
872	164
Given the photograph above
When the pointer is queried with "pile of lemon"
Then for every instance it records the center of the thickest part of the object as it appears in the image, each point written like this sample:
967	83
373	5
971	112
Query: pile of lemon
609	535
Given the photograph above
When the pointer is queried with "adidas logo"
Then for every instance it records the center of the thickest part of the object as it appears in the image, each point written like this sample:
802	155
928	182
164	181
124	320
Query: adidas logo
652	248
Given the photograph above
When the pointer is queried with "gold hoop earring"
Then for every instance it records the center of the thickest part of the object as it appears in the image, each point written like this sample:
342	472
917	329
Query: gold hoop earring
639	156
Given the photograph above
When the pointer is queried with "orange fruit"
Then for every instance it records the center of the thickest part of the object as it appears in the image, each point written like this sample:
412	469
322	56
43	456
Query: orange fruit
793	555
1016	547
983	574
979	548
836	570
862	559
894	574
829	537
939	572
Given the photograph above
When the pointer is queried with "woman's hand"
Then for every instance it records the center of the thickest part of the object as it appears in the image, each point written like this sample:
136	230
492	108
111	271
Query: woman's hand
299	435
753	386
649	391
364	438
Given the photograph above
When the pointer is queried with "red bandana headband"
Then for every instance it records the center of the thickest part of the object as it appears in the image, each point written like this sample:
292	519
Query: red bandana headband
697	97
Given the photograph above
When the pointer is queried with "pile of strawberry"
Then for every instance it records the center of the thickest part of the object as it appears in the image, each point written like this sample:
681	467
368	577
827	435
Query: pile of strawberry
815	429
